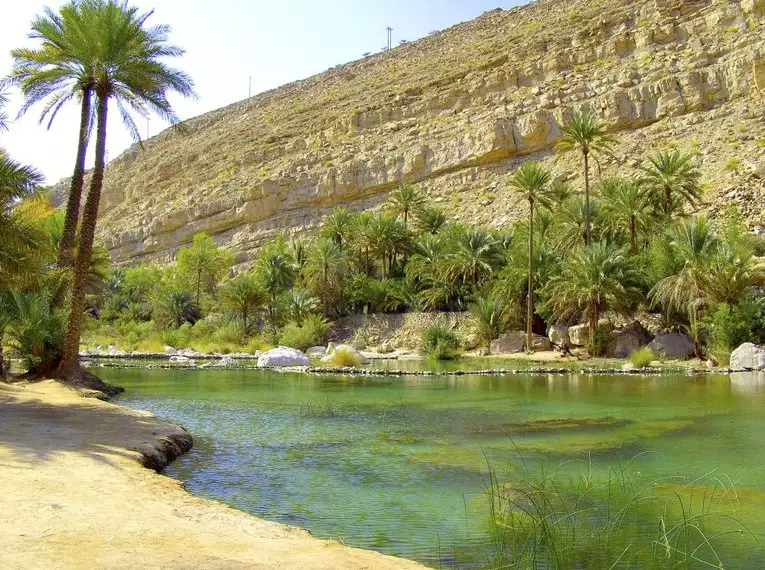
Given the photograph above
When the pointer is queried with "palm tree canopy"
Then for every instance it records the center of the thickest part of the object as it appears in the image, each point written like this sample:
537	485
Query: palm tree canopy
671	181
585	131
404	201
533	180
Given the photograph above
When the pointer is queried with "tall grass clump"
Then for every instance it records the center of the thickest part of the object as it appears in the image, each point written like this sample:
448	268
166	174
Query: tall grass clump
641	358
342	356
562	518
439	343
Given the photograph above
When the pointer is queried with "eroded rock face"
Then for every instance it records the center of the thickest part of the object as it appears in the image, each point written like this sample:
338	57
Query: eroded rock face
282	357
455	113
748	356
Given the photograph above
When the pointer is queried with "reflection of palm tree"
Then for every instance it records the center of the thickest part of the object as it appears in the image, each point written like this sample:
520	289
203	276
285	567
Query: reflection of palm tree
585	132
125	58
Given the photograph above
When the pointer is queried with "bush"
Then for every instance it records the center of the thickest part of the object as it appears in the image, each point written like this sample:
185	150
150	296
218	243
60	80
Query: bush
730	326
300	337
345	357
641	358
598	345
439	342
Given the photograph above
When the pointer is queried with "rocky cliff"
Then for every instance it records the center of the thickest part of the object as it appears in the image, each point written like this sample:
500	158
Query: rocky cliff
454	113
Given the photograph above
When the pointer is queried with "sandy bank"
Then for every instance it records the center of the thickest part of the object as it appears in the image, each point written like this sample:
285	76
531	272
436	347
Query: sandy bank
74	495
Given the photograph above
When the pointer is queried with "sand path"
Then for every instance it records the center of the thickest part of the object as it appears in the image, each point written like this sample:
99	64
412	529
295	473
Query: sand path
73	494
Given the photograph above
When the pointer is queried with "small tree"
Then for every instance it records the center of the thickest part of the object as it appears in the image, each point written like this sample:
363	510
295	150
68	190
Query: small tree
405	201
203	265
244	294
671	181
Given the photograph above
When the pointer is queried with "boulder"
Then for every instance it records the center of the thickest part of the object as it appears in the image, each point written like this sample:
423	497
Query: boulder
185	360
281	357
579	334
189	353
748	356
114	351
628	339
170	350
558	334
509	343
672	345
316	352
541	343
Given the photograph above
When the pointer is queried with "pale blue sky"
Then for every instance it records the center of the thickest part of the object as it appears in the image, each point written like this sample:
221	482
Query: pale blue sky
274	41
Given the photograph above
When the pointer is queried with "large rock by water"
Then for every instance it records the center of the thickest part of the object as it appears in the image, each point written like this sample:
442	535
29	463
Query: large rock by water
558	335
673	345
626	340
509	343
283	357
748	356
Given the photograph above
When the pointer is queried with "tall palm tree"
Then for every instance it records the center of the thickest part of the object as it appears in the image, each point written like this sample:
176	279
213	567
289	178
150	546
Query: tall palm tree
694	246
404	201
594	279
671	180
585	132
56	73
625	209
533	181
430	219
126	62
391	239
277	273
325	271
475	256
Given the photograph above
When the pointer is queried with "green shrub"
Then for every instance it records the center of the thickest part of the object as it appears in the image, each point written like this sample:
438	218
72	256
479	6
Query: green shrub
641	358
300	337
730	326
598	345
439	342
344	357
228	333
36	333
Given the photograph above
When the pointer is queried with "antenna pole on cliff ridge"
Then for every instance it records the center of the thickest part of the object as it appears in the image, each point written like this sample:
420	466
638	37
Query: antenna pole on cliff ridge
249	90
390	36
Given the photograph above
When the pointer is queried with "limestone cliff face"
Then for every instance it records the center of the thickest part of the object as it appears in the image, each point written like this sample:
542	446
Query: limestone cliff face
454	113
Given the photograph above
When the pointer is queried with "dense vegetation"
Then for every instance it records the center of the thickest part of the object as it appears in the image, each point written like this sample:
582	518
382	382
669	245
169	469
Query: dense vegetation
623	245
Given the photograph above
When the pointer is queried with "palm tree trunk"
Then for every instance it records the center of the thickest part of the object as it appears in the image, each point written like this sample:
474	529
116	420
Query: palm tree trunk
244	319
199	282
587	231
65	256
530	293
633	235
697	333
69	367
2	362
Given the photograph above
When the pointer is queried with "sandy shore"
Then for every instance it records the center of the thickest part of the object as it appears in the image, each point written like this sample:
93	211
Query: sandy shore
73	494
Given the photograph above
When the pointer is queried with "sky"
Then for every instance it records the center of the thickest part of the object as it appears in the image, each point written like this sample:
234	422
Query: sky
227	42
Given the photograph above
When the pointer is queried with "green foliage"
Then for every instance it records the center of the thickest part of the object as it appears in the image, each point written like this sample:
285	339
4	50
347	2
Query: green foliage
729	326
641	358
36	330
173	307
439	343
491	317
203	265
245	295
309	333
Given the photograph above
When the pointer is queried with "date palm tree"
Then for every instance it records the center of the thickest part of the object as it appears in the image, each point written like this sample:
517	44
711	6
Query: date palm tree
430	219
491	317
671	181
585	132
475	256
625	209
337	226
594	279
325	271
533	181
245	295
694	247
54	74
126	59
405	201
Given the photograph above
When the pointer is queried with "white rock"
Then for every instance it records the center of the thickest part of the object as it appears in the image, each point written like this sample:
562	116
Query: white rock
180	359
283	356
170	350
748	356
558	334
579	334
316	352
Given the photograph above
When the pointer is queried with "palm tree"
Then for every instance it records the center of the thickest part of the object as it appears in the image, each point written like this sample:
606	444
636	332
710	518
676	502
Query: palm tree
337	226
475	256
694	247
594	279
625	209
174	307
430	219
404	201
277	273
491	316
671	180
391	239
585	132
298	305
363	234
204	264
732	275
299	249
56	73
325	271
571	221
244	294
532	180
126	61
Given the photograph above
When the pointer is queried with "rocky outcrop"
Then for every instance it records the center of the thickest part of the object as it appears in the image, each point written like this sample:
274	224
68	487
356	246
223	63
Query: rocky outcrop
455	113
628	339
282	357
672	345
509	343
748	356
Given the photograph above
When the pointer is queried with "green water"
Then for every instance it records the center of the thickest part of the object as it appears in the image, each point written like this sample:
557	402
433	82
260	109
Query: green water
399	464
